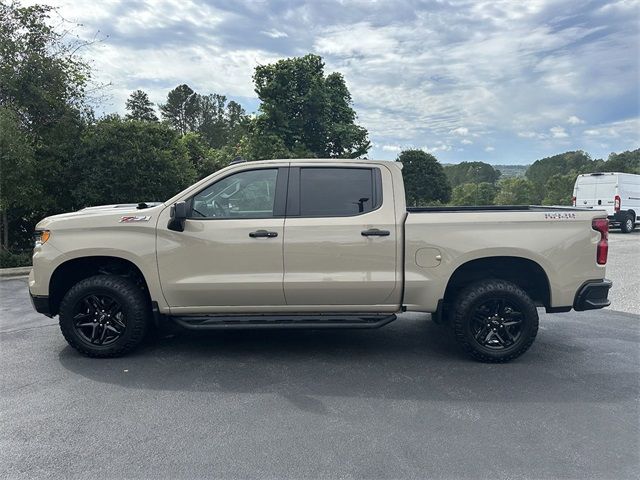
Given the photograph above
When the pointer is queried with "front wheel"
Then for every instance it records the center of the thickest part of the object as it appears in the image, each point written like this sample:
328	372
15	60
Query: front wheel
495	321
628	223
104	316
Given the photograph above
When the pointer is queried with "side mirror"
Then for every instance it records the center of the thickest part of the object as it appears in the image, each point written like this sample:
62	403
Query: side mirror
178	215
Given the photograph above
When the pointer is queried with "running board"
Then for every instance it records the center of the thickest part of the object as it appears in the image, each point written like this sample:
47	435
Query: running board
237	322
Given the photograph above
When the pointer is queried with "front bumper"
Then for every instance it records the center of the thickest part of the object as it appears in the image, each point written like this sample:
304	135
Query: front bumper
41	304
593	295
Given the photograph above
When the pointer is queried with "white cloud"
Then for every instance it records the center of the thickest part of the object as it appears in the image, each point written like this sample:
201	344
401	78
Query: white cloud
527	134
489	149
626	132
391	148
441	147
558	132
462	131
573	120
447	72
275	33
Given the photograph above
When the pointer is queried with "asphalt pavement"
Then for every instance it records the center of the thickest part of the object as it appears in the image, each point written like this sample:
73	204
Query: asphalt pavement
398	402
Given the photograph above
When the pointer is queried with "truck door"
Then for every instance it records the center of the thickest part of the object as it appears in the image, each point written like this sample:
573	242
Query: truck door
230	252
340	238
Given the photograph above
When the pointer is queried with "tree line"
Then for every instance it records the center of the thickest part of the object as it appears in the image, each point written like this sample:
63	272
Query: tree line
57	156
548	181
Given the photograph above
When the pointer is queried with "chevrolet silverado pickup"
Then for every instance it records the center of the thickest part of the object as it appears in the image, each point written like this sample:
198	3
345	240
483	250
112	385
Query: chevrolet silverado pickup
314	244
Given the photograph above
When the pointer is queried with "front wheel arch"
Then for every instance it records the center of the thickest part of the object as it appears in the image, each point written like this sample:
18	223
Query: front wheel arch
69	273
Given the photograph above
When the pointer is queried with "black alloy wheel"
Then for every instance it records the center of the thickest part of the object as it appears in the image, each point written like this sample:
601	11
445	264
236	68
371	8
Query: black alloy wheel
99	319
105	315
494	320
496	324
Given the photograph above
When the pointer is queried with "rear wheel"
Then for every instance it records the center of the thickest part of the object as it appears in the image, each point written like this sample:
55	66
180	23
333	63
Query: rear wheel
495	321
104	316
628	223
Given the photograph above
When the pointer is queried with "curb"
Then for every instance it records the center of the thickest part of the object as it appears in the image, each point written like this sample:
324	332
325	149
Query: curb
14	272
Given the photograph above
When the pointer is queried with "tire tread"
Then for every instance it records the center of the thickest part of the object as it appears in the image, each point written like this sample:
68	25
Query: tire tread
469	296
137	316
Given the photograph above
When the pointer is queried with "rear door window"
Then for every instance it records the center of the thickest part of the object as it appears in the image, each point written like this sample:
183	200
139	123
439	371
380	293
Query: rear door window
337	192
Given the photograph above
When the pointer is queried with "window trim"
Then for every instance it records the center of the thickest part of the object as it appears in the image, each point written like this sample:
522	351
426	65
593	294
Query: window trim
294	190
279	201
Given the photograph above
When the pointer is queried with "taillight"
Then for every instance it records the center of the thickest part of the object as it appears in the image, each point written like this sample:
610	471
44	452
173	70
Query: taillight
616	203
573	201
602	225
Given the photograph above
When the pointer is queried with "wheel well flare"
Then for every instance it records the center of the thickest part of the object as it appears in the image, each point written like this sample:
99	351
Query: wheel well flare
523	272
72	271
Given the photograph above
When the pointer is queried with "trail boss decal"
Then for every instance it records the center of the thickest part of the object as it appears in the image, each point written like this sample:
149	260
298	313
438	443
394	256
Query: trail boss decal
559	216
135	218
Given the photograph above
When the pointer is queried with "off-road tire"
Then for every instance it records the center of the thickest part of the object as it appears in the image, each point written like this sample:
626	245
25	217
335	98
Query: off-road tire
627	225
134	305
472	297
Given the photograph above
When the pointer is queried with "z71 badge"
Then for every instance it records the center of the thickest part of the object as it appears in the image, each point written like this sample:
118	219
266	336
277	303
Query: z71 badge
135	218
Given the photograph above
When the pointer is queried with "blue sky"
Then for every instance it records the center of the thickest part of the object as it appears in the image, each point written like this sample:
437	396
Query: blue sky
498	81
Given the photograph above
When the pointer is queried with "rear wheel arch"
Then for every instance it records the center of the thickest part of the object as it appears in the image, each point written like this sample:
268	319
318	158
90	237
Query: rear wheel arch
523	272
72	271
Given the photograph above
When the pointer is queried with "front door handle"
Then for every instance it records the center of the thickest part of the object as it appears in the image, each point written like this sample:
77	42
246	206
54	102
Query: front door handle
375	232
263	233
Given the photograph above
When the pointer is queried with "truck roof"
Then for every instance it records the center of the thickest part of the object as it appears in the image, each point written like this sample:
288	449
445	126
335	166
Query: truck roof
321	160
597	174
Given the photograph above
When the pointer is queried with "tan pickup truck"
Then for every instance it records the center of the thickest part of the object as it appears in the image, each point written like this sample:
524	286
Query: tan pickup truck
314	244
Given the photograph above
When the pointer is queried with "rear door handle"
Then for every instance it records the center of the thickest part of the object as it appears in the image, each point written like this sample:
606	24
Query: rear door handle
375	232
263	233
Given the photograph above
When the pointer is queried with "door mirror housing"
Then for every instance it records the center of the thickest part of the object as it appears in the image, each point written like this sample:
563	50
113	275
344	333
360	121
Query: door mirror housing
178	214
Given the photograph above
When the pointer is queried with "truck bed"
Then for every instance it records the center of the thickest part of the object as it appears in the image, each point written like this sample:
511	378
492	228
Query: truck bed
440	239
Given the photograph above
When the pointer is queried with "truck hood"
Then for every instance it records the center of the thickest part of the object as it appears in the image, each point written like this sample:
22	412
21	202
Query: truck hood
117	211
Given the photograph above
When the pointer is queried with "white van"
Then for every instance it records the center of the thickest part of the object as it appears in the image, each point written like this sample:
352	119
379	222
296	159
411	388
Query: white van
617	193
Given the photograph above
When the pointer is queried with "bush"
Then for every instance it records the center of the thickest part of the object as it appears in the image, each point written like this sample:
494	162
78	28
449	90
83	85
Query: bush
129	161
14	259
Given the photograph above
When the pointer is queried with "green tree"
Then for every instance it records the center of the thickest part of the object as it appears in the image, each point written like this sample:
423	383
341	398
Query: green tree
473	194
471	172
308	113
237	123
197	151
17	172
182	109
345	139
566	163
559	189
625	162
210	119
425	182
140	107
220	122
42	89
514	191
129	161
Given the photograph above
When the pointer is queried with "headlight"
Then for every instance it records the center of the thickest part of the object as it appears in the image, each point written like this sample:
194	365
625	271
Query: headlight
41	237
